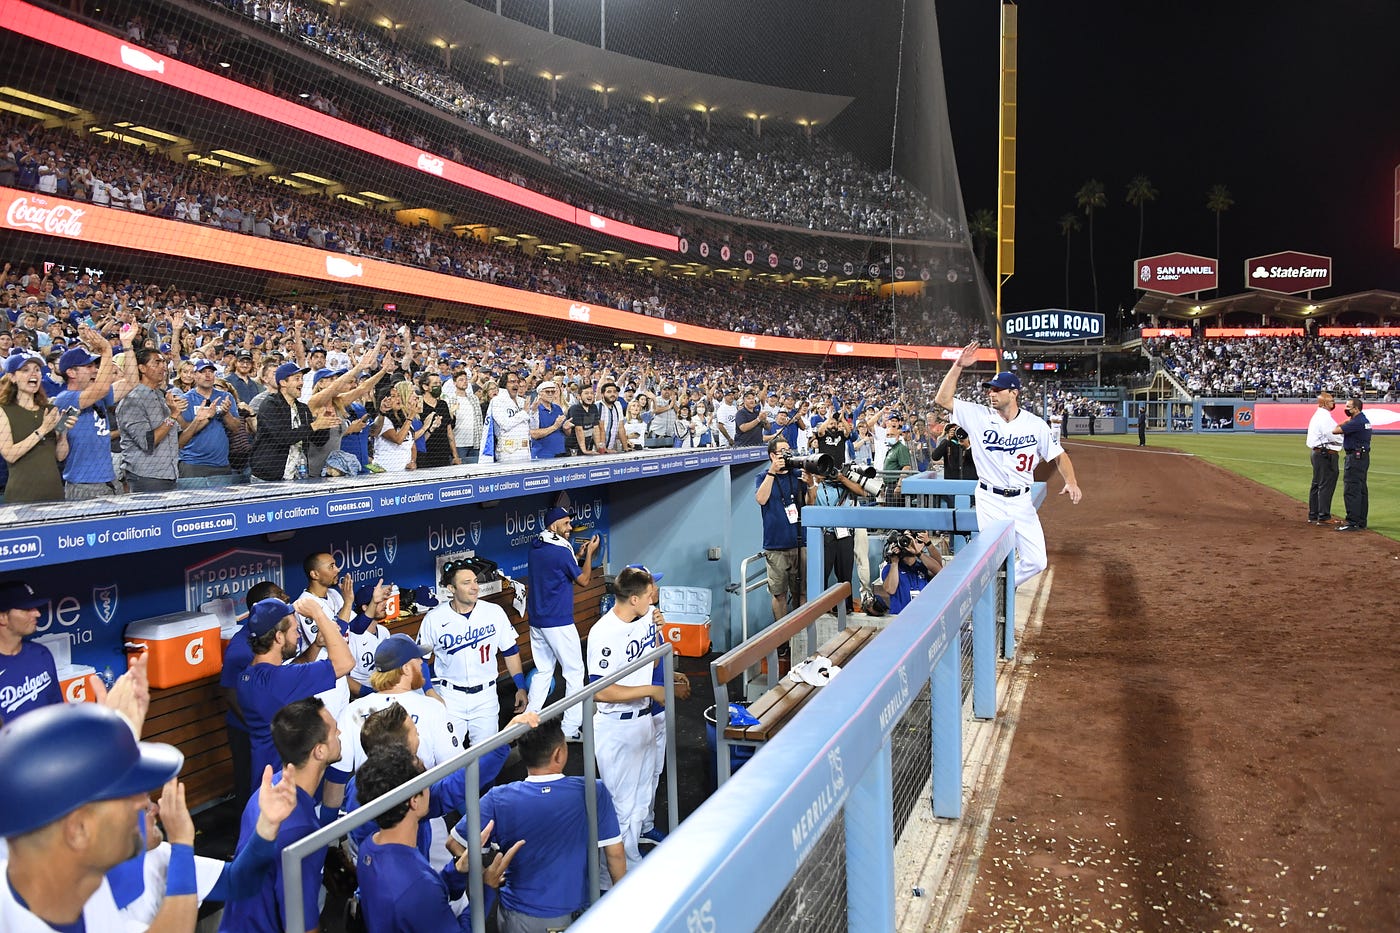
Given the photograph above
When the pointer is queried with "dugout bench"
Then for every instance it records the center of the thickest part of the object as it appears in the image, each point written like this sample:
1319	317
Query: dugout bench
782	701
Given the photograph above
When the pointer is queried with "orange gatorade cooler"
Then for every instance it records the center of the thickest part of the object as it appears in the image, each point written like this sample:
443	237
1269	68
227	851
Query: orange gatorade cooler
78	683
184	647
687	625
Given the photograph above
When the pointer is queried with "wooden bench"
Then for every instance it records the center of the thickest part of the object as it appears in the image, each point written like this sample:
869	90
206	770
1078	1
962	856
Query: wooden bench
191	716
775	707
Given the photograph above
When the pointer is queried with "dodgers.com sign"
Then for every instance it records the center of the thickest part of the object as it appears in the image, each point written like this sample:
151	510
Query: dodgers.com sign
1053	325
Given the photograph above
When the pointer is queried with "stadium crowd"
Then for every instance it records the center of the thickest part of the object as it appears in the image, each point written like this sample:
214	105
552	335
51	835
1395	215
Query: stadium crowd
1282	367
779	178
125	177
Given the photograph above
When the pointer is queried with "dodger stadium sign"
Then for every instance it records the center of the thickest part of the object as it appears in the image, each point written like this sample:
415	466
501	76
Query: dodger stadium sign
1053	325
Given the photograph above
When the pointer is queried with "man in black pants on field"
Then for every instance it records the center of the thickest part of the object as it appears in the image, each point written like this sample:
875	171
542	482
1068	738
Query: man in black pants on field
1324	445
1356	446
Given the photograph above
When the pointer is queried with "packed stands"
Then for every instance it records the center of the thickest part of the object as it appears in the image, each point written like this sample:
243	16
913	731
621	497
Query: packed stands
1282	367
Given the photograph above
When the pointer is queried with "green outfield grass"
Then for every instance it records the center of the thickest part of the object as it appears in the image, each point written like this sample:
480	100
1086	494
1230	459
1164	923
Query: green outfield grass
1280	461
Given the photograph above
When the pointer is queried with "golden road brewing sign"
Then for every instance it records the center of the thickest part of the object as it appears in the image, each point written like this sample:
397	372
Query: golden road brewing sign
1053	325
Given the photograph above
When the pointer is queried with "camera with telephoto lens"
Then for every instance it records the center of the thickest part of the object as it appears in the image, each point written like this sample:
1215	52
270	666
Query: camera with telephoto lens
816	464
900	543
955	434
866	477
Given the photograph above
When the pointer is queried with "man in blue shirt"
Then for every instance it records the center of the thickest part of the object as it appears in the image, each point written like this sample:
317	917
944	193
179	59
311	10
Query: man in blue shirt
28	679
269	683
307	743
554	571
1356	448
548	424
910	562
92	387
781	493
548	882
208	417
399	891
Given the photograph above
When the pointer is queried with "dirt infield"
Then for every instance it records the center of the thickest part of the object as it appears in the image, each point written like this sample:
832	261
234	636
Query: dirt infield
1211	738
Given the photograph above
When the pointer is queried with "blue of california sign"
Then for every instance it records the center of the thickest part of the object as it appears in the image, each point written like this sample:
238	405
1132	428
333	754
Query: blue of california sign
1053	325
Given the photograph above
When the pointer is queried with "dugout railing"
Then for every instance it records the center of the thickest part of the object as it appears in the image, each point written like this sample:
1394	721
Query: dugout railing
470	759
804	835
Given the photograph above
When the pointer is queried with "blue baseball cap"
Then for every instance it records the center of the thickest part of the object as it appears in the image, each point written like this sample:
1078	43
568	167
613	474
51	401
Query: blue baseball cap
201	365
364	593
288	370
17	361
556	513
265	616
75	357
16	595
61	757
396	651
1006	380
655	577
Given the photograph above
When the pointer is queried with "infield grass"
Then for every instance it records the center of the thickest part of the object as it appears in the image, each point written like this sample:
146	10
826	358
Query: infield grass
1280	461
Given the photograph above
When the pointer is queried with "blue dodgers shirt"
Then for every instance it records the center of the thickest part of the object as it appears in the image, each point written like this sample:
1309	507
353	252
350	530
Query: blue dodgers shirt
400	892
550	583
236	660
778	533
549	875
912	580
263	689
210	446
263	911
89	440
28	681
551	445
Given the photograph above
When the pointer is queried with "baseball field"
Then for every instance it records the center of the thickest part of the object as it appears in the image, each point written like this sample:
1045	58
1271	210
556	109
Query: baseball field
1210	732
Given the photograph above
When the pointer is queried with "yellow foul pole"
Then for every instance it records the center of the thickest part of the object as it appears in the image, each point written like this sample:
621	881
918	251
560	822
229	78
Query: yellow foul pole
1006	165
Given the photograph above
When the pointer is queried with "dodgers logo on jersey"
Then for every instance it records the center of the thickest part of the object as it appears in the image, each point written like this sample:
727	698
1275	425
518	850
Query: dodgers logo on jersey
994	440
451	644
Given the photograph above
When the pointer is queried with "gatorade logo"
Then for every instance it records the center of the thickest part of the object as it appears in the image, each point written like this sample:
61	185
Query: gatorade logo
77	691
194	653
674	634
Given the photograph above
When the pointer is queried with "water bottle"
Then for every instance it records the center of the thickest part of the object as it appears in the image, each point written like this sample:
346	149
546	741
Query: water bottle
301	471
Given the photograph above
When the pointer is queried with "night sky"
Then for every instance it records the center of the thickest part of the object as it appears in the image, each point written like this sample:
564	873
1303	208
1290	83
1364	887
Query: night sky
1293	105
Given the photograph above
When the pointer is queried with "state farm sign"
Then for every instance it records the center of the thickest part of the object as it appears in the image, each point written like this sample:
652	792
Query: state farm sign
1288	273
1176	273
43	216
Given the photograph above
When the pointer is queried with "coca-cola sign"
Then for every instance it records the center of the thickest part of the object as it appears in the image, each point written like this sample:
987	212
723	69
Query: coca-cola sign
44	216
1288	273
1176	273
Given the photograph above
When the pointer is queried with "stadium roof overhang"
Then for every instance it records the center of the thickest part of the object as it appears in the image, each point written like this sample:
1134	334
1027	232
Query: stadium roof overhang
468	29
1379	304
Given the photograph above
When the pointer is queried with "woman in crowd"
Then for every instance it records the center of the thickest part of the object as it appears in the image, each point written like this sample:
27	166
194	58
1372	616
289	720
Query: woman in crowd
394	449
32	438
636	423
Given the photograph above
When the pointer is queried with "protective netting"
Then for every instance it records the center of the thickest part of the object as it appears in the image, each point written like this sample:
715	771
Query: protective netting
676	208
814	900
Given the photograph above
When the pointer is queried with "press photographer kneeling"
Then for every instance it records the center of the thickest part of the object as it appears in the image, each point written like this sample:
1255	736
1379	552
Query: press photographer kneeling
910	562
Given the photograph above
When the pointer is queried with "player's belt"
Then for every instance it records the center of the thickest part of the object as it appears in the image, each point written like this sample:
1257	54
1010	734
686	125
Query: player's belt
1008	493
630	714
476	689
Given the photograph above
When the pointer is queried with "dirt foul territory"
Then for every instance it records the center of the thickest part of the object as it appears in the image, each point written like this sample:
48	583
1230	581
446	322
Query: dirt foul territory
1211	736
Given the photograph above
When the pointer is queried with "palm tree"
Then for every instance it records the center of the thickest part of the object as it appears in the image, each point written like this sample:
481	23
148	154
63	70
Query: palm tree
1069	225
1219	201
1140	191
983	227
1090	197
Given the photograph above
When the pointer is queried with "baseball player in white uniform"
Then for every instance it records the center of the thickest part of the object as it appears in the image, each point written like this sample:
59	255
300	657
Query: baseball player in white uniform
1007	444
366	633
465	635
622	726
325	584
399	679
509	417
655	619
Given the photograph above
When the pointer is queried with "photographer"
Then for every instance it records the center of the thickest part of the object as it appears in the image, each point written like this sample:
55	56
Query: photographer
910	562
781	492
839	544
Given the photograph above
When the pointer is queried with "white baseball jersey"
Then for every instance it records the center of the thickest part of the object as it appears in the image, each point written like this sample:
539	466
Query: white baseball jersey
613	644
512	426
338	697
363	648
437	737
99	913
465	646
1006	452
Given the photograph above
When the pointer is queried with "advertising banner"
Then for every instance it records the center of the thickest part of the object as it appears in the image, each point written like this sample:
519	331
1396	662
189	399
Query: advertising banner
1053	325
1288	273
1176	273
1294	416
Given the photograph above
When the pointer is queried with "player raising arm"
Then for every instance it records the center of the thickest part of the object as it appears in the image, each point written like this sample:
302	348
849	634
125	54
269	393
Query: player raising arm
1007	443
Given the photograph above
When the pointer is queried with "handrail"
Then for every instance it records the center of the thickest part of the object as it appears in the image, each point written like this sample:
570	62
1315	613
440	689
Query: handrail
294	854
750	652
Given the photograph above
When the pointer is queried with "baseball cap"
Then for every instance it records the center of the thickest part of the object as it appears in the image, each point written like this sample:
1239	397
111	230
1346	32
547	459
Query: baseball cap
288	370
1006	380
556	513
265	616
245	355
18	595
396	651
545	385
202	365
75	357
17	361
655	577
58	758
364	593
